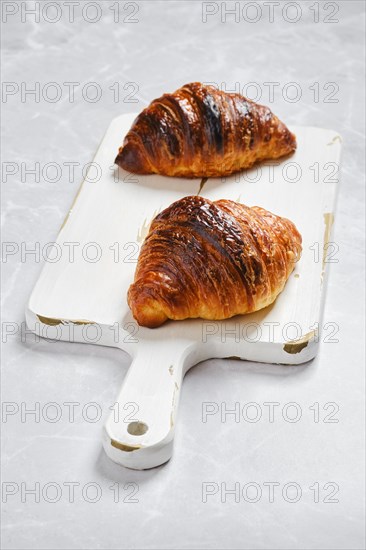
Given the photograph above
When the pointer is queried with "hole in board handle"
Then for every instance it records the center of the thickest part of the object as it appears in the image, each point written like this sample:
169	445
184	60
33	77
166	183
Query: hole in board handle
137	428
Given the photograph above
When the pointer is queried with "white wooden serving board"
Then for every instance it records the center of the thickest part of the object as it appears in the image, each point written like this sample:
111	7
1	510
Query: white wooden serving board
81	300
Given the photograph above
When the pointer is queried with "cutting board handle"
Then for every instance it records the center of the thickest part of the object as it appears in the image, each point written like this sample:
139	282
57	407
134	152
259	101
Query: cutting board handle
140	431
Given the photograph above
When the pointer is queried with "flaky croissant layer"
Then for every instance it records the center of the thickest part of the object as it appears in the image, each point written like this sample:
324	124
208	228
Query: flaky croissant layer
211	260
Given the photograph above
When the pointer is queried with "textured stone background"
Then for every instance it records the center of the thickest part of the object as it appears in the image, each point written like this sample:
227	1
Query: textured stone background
168	45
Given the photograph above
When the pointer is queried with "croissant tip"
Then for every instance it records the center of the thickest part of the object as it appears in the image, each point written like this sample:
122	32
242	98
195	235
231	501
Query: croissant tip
146	309
130	158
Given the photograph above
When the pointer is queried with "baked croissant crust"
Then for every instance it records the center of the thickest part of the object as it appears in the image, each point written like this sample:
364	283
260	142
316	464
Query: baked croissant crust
211	260
200	131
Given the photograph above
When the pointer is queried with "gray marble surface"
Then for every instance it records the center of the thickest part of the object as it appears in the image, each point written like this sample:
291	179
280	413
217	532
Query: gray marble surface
167	45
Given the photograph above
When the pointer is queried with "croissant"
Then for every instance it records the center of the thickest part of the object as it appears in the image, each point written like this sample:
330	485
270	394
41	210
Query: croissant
211	260
200	131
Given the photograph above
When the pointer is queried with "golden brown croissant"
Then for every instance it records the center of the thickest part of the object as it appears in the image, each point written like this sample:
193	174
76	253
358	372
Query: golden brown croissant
211	260
199	131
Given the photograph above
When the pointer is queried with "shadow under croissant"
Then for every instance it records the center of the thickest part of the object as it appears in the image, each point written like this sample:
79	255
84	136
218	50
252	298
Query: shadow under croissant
180	328
156	182
190	186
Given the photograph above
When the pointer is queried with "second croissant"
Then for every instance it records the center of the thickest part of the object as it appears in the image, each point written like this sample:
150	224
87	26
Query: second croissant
211	260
